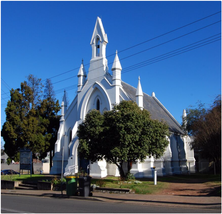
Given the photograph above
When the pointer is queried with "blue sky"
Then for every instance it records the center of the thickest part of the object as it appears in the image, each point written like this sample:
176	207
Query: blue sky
50	39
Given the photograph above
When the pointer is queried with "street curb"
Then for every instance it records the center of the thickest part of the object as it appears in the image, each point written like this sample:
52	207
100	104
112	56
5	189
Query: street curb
51	195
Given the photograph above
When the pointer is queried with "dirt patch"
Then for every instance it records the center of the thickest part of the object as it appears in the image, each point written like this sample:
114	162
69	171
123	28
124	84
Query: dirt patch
191	189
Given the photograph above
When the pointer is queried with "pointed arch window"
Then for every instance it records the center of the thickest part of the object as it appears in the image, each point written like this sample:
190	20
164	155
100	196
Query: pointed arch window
98	105
70	136
97	46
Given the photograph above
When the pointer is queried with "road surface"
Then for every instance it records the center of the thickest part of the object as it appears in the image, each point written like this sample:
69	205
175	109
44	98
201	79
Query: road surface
31	204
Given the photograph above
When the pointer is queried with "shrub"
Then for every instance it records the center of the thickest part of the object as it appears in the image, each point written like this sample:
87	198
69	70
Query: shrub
130	177
57	181
101	183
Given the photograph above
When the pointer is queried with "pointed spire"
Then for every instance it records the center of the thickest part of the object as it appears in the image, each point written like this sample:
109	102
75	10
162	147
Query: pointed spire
116	63
81	77
82	71
139	95
63	107
139	91
184	113
64	99
184	117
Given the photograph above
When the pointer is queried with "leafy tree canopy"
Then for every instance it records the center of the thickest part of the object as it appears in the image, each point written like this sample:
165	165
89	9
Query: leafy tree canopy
205	127
122	135
31	119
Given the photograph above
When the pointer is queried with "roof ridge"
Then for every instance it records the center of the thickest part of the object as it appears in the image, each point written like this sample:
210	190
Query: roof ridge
164	108
176	125
135	88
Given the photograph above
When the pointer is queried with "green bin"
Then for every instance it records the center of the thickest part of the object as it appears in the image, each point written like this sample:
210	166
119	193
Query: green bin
71	185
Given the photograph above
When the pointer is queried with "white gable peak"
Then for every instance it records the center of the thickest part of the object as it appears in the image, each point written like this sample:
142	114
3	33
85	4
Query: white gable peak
99	31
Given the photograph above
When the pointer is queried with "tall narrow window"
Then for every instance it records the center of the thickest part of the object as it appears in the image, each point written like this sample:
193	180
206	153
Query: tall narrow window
70	139
97	47
70	136
97	105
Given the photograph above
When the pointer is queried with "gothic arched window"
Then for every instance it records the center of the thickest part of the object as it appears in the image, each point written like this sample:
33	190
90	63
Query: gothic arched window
97	46
97	105
70	136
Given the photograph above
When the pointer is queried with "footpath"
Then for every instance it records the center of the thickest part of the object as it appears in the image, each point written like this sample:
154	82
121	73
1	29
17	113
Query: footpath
204	202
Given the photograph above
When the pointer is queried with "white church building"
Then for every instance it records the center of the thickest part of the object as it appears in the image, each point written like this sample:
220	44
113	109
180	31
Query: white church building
101	90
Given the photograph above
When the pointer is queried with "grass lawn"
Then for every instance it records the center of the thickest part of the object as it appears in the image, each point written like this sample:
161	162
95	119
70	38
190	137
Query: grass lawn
23	177
147	186
139	187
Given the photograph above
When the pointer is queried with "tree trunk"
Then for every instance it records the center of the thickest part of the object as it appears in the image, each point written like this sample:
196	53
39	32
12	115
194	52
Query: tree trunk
121	171
32	165
129	166
50	159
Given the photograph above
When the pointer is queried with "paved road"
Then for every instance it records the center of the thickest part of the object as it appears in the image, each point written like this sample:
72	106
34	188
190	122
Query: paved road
31	204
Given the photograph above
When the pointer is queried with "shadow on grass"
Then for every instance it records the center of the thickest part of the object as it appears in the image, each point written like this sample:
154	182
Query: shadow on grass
192	178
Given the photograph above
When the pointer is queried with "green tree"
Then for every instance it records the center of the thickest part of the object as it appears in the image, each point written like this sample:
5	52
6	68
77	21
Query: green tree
48	112
27	124
121	136
205	127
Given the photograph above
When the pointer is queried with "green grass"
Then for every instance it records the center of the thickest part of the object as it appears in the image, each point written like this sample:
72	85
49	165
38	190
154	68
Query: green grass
145	187
22	177
197	177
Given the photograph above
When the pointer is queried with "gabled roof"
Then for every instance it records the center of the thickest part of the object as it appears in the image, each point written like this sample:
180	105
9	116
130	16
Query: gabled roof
156	109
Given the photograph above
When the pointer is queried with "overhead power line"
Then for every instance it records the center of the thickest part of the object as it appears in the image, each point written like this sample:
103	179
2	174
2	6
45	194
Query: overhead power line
190	47
170	54
7	86
164	34
163	43
161	35
155	46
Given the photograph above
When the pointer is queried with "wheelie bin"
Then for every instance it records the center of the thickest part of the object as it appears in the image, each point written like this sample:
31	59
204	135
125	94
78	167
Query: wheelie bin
71	185
84	186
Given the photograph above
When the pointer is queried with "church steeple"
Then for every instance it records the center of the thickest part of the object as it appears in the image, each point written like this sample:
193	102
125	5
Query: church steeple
139	95
99	40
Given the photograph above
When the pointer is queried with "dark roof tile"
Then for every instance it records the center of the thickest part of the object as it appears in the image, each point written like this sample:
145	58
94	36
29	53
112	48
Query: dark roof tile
156	109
